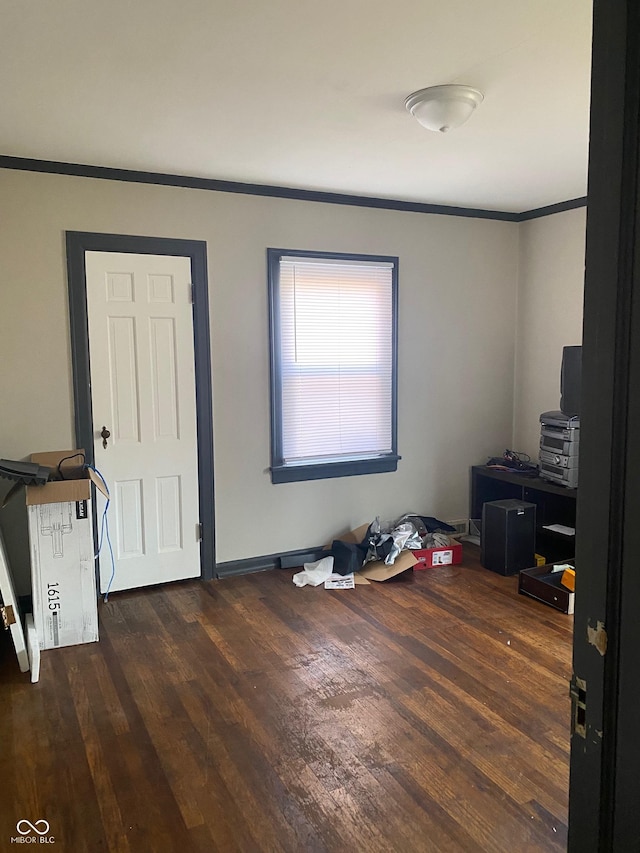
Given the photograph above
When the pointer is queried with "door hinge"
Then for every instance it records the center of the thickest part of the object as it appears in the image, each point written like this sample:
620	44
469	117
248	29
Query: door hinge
199	532
7	615
578	693
192	293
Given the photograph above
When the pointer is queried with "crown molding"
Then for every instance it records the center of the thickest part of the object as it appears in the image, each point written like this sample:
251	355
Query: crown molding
108	173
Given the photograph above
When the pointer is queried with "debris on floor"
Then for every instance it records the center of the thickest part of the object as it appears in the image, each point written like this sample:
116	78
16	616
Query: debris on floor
314	574
340	582
382	550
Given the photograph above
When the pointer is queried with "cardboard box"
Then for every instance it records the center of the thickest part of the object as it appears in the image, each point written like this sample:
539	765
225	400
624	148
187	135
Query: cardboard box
377	570
429	558
61	543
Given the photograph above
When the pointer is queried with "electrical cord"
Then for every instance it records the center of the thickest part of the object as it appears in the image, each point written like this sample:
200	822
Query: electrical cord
104	530
514	461
516	456
73	456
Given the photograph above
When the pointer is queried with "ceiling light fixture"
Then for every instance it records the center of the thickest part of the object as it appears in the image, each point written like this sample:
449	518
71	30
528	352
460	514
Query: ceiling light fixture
441	108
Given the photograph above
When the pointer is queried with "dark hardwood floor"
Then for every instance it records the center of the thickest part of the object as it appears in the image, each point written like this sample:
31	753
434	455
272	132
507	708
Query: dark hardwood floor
423	714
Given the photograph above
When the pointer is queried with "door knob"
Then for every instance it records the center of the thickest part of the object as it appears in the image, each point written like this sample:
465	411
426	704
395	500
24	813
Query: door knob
104	435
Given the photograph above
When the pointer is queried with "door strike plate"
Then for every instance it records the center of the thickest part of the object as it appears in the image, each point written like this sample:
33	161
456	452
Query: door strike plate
578	693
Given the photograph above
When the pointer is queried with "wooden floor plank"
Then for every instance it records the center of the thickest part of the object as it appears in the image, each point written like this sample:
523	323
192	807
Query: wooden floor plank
429	714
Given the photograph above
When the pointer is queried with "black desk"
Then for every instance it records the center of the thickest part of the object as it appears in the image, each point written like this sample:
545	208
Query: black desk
554	505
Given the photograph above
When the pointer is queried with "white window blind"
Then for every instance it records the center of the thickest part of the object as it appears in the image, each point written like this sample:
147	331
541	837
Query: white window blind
336	359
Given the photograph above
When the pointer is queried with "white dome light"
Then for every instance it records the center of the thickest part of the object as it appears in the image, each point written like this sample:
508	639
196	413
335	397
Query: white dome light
441	108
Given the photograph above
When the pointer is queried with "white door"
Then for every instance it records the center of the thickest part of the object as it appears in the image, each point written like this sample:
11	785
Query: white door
143	392
11	613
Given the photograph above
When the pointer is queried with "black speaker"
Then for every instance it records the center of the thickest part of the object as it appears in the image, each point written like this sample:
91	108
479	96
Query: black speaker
571	380
507	543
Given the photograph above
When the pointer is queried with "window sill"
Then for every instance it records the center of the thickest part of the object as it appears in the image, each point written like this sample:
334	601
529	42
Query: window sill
351	468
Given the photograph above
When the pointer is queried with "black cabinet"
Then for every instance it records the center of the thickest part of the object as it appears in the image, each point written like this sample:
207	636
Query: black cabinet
555	505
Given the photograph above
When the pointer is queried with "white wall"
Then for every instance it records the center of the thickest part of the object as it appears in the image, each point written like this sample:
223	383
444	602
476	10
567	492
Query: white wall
550	294
457	299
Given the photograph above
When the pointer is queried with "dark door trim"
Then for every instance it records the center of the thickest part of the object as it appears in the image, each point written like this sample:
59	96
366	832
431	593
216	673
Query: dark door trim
79	242
605	749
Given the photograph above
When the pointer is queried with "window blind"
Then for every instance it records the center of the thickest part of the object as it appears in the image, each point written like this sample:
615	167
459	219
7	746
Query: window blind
336	359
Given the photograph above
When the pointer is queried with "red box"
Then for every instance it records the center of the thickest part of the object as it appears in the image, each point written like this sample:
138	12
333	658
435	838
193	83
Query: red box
430	558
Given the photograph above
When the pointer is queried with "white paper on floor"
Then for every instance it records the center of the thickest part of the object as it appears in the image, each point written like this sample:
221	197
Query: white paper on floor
315	573
340	582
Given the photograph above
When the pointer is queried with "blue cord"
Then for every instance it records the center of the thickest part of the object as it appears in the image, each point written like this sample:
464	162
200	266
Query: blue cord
104	528
113	562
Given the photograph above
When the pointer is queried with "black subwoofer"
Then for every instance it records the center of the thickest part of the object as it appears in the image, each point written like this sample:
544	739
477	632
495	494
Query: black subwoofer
571	380
508	536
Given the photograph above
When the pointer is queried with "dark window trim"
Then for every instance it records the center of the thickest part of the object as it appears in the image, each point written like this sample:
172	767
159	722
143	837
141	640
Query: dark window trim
329	470
79	242
280	472
82	170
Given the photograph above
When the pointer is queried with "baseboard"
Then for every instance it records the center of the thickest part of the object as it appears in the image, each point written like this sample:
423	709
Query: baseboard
296	559
283	560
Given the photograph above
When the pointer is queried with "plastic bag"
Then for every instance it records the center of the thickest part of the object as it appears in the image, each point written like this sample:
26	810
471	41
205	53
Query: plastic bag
387	539
314	573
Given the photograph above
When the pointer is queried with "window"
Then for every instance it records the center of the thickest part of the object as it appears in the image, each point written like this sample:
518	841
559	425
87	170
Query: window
333	364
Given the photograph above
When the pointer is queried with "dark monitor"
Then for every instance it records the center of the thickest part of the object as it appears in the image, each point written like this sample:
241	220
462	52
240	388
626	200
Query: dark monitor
571	380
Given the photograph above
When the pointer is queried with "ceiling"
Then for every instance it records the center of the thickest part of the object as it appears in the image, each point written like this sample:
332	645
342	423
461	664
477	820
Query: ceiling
306	94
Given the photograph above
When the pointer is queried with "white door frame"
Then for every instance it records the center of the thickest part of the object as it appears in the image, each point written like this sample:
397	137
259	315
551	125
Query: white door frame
79	242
